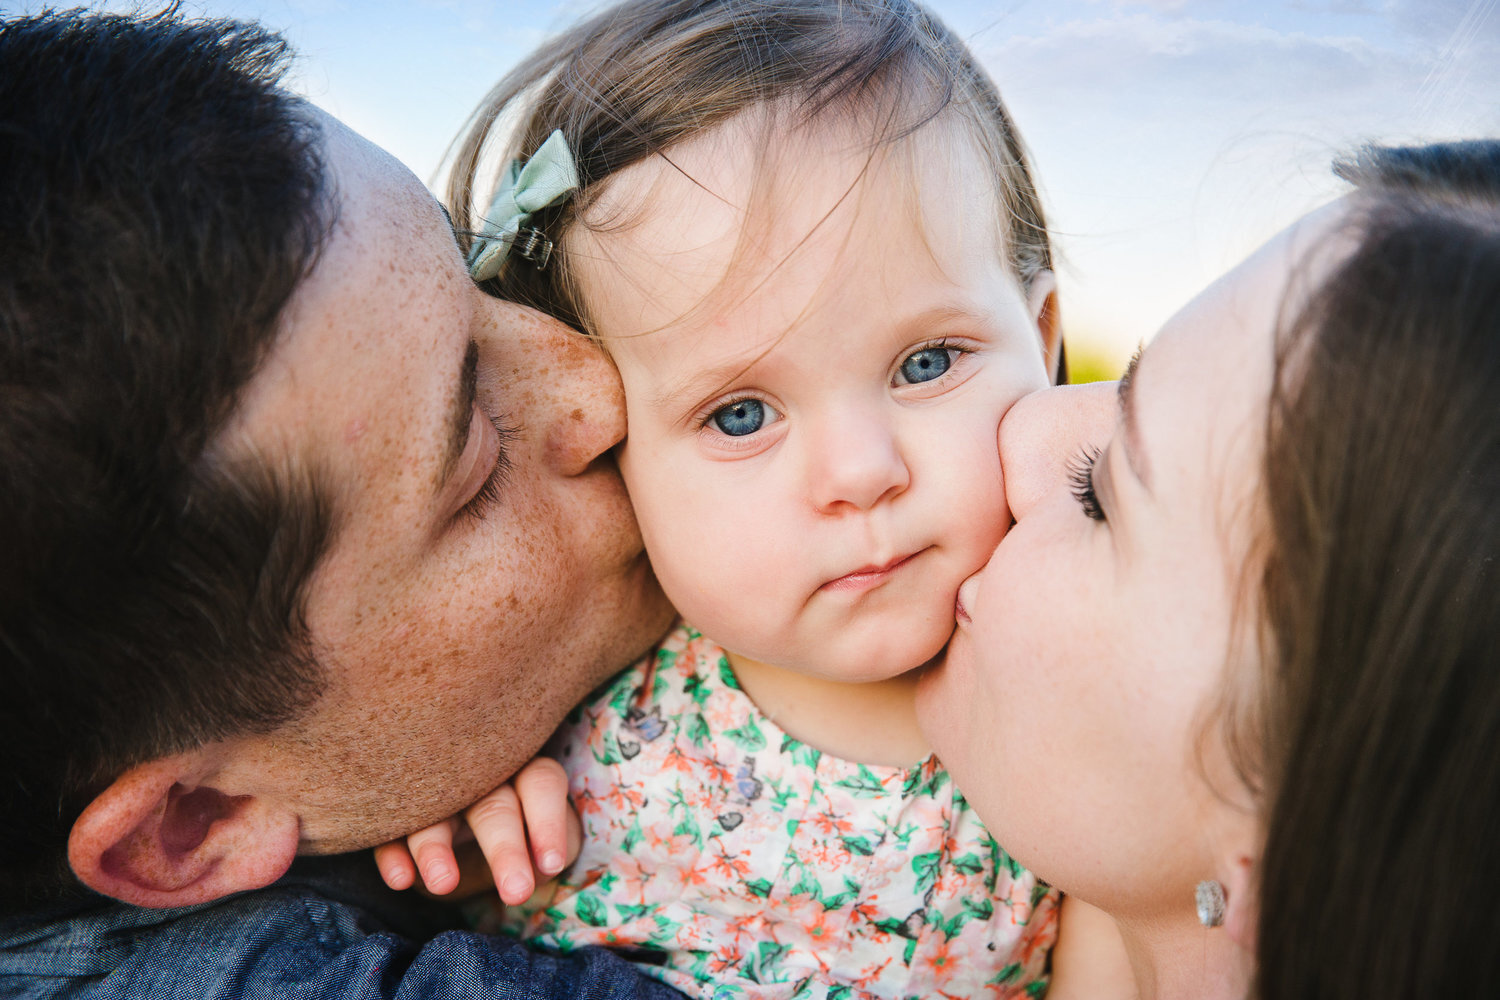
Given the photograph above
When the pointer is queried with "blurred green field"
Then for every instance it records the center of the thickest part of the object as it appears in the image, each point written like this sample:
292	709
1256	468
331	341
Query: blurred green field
1094	359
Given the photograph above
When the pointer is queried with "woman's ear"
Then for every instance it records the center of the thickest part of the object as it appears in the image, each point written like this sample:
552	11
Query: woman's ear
1241	911
1041	304
160	837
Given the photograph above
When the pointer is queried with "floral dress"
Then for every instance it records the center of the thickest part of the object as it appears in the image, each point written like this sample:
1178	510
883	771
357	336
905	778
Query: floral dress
734	861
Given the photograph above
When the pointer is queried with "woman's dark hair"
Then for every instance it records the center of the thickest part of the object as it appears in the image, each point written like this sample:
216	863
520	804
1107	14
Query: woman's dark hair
160	200
1381	764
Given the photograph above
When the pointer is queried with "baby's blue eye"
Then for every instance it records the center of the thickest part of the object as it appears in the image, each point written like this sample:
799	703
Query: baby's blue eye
743	416
926	364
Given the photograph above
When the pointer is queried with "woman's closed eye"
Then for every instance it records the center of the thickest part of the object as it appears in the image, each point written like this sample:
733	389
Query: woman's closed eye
1081	477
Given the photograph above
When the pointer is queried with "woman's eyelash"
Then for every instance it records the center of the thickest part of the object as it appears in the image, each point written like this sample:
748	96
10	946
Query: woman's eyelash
1081	476
480	503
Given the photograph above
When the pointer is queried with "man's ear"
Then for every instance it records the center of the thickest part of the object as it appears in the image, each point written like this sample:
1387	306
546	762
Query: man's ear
1041	304
159	836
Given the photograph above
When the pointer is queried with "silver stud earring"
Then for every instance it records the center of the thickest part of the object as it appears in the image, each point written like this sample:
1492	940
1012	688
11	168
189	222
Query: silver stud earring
1210	899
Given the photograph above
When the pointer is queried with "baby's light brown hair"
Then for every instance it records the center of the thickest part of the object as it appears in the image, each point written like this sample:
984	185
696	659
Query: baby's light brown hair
640	76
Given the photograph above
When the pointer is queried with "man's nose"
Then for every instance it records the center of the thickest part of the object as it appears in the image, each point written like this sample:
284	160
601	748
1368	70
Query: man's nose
1047	430
561	388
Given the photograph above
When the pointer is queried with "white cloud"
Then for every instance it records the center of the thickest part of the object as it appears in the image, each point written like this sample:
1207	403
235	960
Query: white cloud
1169	145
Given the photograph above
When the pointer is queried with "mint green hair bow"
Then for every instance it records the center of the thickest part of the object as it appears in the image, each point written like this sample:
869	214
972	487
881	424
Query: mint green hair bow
548	178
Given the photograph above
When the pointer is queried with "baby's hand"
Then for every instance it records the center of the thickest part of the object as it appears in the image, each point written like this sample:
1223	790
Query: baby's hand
532	806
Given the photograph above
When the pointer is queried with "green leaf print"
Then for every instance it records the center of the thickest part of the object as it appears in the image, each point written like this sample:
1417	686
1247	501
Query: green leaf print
840	992
781	795
806	885
909	951
951	927
1038	891
761	887
926	867
697	730
631	911
859	845
969	864
919	782
695	689
769	953
726	674
969	910
802	754
632	837
609	753
620	699
1006	975
980	909
591	911
864	784
1037	988
749	737
837	901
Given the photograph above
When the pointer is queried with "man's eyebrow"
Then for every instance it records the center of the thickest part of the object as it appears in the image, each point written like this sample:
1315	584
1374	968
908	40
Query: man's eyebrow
451	227
1134	455
461	414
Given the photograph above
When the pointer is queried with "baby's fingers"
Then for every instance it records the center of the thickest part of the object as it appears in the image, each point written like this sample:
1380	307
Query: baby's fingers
498	827
432	849
552	828
395	865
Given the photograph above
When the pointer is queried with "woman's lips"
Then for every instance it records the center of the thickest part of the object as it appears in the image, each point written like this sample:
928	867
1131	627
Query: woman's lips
868	576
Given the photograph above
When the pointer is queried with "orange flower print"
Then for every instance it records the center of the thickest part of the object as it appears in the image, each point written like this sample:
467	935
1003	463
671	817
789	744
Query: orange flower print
754	865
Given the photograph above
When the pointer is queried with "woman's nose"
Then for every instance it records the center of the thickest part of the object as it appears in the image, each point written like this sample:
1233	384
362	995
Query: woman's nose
1045	431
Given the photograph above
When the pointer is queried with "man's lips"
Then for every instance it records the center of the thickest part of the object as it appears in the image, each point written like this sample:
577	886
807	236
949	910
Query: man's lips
868	576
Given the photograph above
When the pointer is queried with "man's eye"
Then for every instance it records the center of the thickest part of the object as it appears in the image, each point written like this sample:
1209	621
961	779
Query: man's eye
742	417
927	364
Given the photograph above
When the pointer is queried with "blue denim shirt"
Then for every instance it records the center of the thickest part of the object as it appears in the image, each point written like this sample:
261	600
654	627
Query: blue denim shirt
328	929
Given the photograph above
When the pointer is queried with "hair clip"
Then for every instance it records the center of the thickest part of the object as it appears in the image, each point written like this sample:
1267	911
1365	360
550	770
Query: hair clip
548	178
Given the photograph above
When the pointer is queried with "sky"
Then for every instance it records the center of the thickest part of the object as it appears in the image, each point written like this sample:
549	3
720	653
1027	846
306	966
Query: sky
1170	137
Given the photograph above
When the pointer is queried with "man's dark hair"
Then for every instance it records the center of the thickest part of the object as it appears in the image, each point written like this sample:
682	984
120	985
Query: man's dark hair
160	200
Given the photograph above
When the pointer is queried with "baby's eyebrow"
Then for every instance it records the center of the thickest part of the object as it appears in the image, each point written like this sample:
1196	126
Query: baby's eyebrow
699	386
1134	454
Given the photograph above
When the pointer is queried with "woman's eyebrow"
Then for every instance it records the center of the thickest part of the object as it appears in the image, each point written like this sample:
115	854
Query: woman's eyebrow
1134	454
